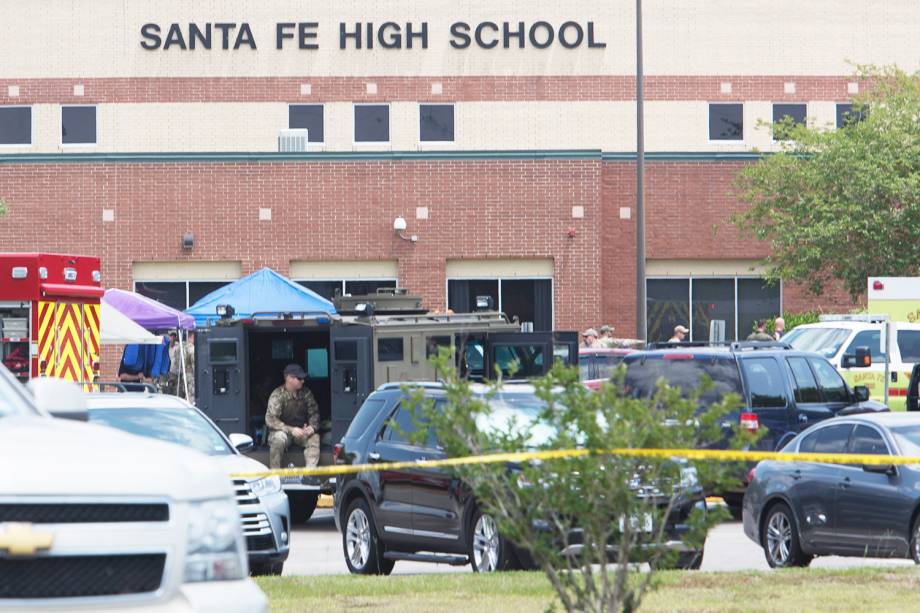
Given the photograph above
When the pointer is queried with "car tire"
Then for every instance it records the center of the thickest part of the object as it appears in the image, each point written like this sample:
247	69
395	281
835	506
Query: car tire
780	539
915	541
360	543
488	551
266	569
303	504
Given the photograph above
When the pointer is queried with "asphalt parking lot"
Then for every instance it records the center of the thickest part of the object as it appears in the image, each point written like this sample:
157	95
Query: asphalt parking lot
317	550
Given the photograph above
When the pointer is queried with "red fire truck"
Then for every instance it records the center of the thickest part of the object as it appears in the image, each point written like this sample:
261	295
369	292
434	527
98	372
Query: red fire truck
49	315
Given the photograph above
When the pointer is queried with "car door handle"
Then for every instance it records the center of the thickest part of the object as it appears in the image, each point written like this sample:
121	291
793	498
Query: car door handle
845	483
803	418
373	456
421	459
797	474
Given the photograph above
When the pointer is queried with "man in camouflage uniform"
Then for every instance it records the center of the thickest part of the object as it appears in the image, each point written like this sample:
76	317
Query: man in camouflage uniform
292	418
189	349
172	377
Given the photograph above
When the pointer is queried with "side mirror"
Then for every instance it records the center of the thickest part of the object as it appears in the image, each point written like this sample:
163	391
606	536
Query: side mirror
882	469
59	398
242	442
861	359
861	393
913	403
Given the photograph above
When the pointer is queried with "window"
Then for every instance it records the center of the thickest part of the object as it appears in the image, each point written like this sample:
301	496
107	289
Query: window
366	414
764	382
307	117
436	123
530	300
832	385
806	388
78	125
909	345
222	352
726	121
401	425
867	440
739	302
390	349
317	363
796	112
871	339
846	115
328	289
830	439
15	125
713	299
519	361
433	345
642	376
372	123
177	294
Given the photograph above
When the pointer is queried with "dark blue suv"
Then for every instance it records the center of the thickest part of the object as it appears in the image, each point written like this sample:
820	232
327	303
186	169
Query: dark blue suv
784	391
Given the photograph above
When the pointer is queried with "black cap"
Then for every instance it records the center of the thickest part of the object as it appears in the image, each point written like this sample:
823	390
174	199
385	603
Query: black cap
294	370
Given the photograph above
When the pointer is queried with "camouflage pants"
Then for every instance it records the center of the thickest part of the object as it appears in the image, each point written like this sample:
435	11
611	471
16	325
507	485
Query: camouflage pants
172	384
279	441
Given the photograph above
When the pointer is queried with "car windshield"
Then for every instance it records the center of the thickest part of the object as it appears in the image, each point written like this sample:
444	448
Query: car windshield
685	373
181	426
908	439
824	341
14	400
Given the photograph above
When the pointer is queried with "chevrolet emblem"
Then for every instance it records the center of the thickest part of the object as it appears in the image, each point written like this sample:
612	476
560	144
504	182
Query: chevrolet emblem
18	539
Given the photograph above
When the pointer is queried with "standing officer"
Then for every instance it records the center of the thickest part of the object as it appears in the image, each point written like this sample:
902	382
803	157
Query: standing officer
292	418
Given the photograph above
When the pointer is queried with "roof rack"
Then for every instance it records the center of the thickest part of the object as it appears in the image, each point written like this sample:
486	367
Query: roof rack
756	345
862	317
686	344
395	385
118	386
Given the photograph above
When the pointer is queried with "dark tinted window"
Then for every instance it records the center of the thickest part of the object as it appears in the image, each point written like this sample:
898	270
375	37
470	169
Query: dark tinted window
765	382
308	117
794	111
15	125
756	301
726	122
372	123
868	440
78	125
713	299
530	300
668	303
461	293
222	351
400	426
346	350
584	367
433	345
357	288
606	364
830	382
366	414
846	115
871	339
909	345
199	289
326	289
686	374
170	293
832	439
390	349
520	361
806	388
436	122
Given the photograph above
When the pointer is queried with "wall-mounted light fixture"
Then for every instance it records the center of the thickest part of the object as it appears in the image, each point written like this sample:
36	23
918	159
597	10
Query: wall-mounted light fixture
399	226
188	241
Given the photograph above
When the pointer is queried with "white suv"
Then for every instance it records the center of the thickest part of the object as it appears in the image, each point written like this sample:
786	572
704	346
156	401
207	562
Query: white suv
95	518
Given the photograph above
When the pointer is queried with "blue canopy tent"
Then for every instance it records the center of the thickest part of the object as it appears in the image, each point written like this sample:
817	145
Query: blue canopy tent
264	292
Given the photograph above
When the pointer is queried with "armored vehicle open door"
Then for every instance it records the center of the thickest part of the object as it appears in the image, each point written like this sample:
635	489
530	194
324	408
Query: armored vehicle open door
221	387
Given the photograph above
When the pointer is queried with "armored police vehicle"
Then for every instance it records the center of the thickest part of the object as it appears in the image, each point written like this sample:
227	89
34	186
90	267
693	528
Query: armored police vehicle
373	339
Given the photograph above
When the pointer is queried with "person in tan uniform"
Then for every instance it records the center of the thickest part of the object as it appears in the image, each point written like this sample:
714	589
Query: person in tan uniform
292	418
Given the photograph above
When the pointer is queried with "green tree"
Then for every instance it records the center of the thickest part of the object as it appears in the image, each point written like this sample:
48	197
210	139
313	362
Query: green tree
841	205
583	520
3	208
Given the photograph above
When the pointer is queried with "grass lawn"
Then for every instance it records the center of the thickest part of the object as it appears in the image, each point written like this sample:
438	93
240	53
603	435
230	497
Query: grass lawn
859	589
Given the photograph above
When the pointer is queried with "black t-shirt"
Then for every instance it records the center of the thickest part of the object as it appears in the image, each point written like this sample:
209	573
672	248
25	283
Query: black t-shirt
131	387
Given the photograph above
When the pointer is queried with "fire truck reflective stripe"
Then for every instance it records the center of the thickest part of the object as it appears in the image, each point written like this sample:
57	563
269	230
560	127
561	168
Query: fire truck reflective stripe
69	358
90	342
46	328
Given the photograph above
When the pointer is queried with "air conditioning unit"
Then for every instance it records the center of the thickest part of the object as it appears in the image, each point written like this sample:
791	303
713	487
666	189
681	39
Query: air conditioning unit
292	141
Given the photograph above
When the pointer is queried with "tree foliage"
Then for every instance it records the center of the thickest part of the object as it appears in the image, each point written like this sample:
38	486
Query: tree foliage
599	501
843	204
3	208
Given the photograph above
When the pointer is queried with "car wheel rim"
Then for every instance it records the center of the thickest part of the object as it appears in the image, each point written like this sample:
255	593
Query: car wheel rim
485	544
779	538
917	545
358	539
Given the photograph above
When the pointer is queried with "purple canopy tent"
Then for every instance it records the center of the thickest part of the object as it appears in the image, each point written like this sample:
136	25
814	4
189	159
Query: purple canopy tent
152	315
147	312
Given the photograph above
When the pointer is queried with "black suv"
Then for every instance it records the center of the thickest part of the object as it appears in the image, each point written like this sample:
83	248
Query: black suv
783	390
428	514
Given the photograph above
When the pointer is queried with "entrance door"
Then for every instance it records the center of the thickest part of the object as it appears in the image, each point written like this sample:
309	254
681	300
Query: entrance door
221	384
519	355
352	374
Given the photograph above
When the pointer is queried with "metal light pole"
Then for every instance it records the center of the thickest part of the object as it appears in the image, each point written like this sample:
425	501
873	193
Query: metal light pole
641	326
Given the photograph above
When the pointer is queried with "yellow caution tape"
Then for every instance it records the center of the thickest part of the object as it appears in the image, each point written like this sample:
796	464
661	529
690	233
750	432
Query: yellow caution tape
719	455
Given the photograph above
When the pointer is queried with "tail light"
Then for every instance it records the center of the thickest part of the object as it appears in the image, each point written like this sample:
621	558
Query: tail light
96	367
750	477
750	421
336	452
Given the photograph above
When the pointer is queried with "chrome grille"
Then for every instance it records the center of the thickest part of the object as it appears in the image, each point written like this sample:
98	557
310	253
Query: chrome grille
255	524
244	494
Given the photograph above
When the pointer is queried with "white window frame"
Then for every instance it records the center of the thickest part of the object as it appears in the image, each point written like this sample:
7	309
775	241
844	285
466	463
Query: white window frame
343	280
31	108
744	130
772	123
61	125
354	125
436	142
319	104
552	290
734	278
